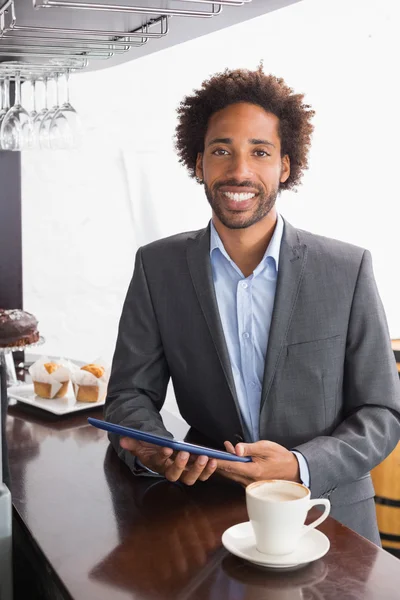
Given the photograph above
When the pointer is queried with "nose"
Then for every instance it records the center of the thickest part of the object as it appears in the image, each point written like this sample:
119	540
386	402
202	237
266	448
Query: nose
239	168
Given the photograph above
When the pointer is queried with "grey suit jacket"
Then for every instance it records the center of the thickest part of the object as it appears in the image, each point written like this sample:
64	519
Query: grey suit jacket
330	390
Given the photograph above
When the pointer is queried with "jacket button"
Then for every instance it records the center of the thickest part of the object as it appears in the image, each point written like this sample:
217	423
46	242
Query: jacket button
238	438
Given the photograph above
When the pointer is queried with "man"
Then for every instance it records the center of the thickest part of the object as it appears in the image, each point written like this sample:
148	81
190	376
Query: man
275	339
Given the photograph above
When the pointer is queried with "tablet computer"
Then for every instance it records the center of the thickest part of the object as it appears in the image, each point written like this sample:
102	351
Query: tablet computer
166	442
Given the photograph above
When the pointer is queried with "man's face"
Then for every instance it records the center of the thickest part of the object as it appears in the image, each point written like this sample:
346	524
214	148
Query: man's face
242	165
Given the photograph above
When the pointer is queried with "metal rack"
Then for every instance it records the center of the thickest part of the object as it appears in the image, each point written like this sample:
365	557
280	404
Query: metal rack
37	43
42	43
39	70
216	7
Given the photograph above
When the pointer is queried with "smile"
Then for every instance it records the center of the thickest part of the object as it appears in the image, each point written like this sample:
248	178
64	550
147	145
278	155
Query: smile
241	197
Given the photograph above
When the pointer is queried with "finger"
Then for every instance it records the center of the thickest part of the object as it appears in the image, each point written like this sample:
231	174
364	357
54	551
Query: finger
229	447
157	457
152	456
175	470
191	475
156	462
129	444
137	446
209	469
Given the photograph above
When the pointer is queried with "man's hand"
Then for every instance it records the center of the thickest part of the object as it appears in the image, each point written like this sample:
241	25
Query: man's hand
183	467
269	461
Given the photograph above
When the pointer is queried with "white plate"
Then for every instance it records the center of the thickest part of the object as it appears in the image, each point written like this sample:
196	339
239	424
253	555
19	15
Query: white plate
240	540
59	406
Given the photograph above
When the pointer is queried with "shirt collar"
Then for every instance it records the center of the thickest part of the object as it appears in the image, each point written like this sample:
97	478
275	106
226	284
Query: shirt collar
272	251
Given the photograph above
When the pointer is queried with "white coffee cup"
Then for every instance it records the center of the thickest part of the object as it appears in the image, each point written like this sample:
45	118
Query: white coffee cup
277	511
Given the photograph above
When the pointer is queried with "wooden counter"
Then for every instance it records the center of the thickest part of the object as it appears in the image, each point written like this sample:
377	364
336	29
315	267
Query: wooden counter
95	532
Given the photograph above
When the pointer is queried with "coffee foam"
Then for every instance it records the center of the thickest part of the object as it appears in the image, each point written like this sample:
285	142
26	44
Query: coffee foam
278	491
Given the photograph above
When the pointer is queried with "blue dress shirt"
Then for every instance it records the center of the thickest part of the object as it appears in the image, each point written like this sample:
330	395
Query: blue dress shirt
245	306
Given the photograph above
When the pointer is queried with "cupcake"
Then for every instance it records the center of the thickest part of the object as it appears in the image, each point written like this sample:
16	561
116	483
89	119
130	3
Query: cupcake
50	378
90	383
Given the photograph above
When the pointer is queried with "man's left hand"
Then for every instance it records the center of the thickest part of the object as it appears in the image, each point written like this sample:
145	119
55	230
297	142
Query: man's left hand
269	461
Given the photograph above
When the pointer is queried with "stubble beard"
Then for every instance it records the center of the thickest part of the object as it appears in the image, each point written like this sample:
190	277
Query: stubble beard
241	219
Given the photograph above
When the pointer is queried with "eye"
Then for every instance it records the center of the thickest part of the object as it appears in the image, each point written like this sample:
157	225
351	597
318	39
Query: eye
220	152
261	153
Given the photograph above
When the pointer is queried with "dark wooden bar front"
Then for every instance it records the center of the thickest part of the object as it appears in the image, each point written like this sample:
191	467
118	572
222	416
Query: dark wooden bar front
92	531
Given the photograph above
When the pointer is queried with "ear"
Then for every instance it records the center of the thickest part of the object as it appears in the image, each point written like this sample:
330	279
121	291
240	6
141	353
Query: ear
199	166
285	168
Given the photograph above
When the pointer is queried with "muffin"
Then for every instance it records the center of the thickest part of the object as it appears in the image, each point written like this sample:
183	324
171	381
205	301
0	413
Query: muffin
90	383
50	379
96	370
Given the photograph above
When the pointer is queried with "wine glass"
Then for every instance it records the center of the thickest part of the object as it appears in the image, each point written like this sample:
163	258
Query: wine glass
4	99
16	126
44	129
65	130
1	96
34	112
37	121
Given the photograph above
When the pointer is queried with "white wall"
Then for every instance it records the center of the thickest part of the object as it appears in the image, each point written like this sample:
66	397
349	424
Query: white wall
86	212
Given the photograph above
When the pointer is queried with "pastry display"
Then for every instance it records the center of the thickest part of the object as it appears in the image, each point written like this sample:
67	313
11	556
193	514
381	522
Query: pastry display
50	378
90	383
17	328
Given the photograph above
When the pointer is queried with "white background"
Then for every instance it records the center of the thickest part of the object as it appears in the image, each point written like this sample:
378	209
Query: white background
85	213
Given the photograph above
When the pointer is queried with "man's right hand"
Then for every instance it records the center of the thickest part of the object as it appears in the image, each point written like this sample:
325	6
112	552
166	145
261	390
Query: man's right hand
183	466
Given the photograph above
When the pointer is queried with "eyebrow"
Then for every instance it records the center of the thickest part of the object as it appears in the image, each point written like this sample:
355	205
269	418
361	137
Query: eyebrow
253	141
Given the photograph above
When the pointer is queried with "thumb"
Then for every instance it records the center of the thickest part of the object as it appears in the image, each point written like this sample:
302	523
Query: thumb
243	449
255	449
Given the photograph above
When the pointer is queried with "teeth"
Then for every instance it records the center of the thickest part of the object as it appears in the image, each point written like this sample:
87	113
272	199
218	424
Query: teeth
238	197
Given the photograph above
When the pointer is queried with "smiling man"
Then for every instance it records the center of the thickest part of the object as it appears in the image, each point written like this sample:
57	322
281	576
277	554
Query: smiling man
275	338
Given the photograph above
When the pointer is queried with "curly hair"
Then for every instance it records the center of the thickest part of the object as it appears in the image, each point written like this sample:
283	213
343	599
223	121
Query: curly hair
254	87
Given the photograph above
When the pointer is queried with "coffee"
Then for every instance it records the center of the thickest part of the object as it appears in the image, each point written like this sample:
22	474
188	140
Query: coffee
273	495
278	492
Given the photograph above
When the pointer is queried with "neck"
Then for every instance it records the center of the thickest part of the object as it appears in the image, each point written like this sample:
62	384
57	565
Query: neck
246	247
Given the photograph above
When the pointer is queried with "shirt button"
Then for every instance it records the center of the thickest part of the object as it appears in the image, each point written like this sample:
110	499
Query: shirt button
245	285
246	335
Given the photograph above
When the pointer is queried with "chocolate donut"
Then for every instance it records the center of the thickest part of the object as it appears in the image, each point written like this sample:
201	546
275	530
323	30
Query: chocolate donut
17	328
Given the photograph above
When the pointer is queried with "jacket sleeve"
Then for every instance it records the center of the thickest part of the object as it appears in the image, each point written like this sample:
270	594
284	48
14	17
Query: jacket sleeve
371	396
139	373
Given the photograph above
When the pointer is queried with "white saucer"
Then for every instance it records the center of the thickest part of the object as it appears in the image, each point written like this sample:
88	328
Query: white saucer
240	540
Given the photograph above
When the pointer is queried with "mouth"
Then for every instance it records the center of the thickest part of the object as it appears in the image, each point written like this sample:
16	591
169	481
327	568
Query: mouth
239	196
238	199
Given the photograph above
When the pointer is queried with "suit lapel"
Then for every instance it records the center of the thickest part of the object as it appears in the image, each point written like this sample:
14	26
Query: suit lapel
292	262
198	257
